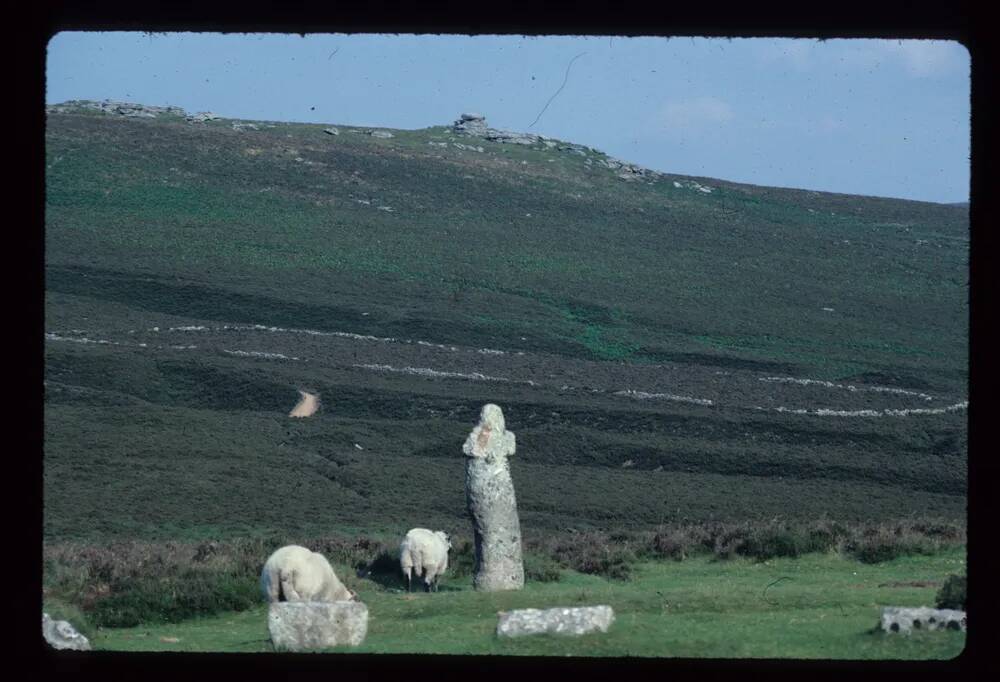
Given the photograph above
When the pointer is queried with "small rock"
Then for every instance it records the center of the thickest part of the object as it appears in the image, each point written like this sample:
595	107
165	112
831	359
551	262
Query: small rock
61	635
384	134
295	626
902	619
563	621
331	131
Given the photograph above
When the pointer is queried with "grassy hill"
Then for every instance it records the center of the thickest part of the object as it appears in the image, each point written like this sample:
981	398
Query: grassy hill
662	352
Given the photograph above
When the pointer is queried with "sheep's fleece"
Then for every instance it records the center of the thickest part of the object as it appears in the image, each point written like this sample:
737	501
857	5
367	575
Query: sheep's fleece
425	552
294	573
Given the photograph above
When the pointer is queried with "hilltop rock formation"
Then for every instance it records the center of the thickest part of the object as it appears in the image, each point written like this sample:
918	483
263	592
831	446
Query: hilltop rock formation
201	117
490	496
133	110
474	125
108	106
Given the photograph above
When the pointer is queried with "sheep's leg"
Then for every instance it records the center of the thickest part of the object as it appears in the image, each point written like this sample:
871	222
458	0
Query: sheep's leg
409	579
430	579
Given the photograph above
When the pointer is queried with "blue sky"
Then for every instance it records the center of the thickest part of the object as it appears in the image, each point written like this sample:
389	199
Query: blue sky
874	117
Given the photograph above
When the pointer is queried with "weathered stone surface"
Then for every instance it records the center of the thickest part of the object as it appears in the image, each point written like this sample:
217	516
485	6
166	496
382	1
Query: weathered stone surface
240	126
128	109
472	117
331	131
201	117
490	497
562	621
295	626
384	134
903	619
61	635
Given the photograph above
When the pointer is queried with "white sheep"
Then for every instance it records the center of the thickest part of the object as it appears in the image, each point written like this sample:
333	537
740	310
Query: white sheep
294	573
424	552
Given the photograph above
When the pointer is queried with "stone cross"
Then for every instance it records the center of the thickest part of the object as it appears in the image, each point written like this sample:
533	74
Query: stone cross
489	493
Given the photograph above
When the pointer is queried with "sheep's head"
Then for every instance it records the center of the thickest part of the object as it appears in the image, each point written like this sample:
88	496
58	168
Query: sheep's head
444	538
492	416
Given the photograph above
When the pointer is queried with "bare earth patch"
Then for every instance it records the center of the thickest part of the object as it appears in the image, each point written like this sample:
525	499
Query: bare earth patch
306	407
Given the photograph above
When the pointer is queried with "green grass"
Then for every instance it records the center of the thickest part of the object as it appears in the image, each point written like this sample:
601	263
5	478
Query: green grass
815	606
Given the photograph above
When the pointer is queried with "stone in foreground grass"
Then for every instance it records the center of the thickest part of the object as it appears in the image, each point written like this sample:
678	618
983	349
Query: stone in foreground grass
60	634
905	620
559	620
298	626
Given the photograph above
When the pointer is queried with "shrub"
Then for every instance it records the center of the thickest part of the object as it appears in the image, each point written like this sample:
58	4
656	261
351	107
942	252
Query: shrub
462	558
593	552
952	593
885	542
673	543
170	600
540	568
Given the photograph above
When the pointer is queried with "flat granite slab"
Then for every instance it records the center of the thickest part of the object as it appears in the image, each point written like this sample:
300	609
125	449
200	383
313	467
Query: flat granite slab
560	620
298	625
903	619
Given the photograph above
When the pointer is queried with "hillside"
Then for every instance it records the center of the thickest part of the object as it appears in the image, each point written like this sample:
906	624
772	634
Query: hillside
664	347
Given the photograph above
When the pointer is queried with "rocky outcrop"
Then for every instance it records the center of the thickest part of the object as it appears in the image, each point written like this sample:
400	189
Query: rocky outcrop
61	635
474	125
560	621
296	626
127	109
201	117
490	497
905	620
471	124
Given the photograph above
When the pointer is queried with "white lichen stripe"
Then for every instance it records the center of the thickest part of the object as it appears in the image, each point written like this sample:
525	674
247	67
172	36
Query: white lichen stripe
259	354
52	336
642	395
823	412
428	372
848	387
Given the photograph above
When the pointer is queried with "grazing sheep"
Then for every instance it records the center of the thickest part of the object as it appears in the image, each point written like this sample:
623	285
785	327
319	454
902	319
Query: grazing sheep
424	551
294	573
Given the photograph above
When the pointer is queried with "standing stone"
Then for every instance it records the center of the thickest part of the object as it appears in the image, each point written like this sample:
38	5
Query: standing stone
298	625
489	493
61	635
